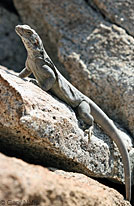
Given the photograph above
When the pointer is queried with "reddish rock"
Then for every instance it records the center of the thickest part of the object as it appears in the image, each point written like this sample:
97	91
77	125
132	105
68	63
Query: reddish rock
23	184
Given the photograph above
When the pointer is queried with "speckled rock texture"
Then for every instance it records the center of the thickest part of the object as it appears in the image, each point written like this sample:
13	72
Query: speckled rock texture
118	12
25	184
40	127
12	51
97	54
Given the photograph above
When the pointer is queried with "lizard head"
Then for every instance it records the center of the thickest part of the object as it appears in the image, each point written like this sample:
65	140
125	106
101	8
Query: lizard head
29	37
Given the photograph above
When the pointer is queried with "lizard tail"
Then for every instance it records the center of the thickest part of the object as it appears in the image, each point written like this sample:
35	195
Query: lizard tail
108	126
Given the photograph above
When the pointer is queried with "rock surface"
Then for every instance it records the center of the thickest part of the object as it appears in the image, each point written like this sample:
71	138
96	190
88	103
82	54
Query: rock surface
118	12
25	184
38	126
12	52
97	54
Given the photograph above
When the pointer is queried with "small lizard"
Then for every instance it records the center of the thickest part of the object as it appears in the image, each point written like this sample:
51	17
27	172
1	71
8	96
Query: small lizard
50	79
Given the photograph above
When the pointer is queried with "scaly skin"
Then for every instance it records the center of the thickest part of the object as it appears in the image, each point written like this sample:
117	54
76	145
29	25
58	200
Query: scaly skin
50	79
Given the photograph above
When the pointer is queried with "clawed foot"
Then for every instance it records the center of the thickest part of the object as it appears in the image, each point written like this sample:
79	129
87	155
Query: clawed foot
34	81
89	132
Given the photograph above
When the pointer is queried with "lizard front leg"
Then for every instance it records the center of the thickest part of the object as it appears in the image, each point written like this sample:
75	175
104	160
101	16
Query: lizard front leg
24	73
84	112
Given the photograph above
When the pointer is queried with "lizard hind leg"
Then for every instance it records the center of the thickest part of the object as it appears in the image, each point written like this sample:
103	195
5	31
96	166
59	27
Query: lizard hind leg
84	112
